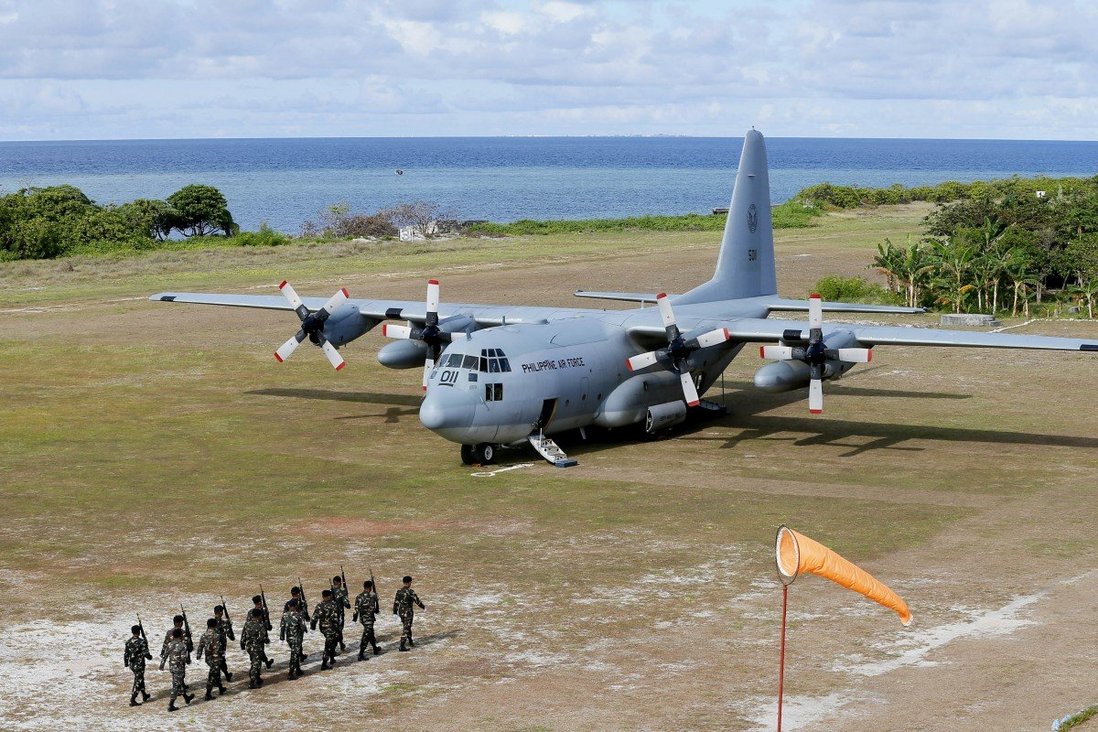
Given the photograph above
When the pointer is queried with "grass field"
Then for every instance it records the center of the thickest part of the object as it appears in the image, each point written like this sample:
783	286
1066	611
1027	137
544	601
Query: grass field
153	454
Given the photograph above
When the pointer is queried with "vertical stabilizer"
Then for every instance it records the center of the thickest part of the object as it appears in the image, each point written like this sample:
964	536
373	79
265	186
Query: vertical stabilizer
745	265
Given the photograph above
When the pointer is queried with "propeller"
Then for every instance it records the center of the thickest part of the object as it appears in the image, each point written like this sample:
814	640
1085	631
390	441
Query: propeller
816	354
676	354
312	325
435	338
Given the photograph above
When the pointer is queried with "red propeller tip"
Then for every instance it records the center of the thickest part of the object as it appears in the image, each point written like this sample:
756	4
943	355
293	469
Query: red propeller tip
661	295
281	284
693	404
869	356
815	296
432	282
629	365
344	291
762	351
815	411
384	329
277	357
340	367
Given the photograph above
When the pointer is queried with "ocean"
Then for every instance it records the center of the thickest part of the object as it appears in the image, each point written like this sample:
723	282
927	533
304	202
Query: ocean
285	182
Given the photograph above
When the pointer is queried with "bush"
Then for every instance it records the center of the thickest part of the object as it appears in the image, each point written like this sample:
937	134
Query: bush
265	237
199	210
835	288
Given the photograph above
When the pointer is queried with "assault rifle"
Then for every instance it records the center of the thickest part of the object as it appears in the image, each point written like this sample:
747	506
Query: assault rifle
142	627
373	585
343	576
225	609
266	612
304	602
187	629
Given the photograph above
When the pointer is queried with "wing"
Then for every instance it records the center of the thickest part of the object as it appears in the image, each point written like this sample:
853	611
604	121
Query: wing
641	297
412	310
764	330
779	304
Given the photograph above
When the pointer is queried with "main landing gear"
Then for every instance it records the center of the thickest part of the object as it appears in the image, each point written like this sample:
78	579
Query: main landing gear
482	454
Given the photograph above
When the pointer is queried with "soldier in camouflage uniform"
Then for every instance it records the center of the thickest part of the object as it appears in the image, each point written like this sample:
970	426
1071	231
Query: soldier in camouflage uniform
252	640
137	652
177	624
366	610
210	648
177	657
293	629
327	617
225	629
404	606
302	603
339	597
257	604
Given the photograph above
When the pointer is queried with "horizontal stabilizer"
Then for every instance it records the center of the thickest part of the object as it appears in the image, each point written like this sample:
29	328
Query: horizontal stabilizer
622	296
801	306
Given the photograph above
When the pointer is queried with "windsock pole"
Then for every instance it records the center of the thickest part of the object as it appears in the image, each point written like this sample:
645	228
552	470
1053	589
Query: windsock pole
781	662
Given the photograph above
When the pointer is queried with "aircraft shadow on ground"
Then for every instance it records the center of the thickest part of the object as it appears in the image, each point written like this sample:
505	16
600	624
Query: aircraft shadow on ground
277	674
391	415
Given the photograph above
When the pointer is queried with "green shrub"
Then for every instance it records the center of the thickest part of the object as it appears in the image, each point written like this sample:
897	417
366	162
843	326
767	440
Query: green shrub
835	288
265	237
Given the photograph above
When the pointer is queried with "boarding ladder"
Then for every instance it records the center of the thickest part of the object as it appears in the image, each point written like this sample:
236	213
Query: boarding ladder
550	450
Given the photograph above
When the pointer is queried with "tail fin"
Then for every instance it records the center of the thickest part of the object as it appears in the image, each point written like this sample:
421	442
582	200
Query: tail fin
745	266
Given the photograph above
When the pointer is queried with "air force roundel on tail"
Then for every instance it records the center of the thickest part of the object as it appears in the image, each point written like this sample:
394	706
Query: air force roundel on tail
505	375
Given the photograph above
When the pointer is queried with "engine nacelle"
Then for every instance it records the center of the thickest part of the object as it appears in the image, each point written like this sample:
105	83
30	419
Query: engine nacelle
403	354
662	416
346	324
789	375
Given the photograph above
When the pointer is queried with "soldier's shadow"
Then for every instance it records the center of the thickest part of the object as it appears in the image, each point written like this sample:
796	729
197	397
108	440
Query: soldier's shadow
277	674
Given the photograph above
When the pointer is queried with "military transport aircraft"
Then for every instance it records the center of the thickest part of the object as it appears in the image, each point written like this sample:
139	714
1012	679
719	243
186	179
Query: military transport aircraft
502	375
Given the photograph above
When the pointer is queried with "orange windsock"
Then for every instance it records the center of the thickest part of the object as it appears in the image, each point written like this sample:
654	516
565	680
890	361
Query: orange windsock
796	553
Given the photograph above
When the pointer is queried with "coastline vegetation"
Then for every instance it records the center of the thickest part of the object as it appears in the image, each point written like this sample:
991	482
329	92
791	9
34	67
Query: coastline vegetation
1008	245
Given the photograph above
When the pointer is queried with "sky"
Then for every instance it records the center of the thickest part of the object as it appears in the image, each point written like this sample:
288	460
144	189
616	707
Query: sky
120	69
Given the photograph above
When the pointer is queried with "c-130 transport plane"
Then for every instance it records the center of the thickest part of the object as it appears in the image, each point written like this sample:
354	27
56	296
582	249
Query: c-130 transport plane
502	375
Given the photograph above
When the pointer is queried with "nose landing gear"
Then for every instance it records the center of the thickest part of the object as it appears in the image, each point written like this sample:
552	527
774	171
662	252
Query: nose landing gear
481	454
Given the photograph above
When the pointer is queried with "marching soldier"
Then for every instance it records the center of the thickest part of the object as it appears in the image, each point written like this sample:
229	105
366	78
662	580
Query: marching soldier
211	648
339	597
404	606
252	640
177	624
302	603
293	629
328	619
257	603
366	610
137	652
225	630
177	657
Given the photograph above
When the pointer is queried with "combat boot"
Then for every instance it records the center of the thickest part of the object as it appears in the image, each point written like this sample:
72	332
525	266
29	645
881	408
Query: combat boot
172	707
251	685
209	693
259	682
411	642
221	691
133	700
324	664
270	662
402	646
228	675
188	697
146	696
361	654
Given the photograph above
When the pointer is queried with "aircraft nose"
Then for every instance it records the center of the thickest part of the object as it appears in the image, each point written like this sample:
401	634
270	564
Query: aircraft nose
446	408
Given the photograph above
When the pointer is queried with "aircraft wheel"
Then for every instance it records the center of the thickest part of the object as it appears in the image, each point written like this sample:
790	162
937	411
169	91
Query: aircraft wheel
484	453
467	454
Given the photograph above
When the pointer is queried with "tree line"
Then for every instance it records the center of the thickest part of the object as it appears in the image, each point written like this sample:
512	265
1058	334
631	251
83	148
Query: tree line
1001	246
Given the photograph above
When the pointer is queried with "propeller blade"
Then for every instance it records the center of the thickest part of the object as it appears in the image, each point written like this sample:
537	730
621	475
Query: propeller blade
333	355
815	311
432	302
428	367
776	353
713	337
392	330
689	390
856	355
815	396
668	316
641	361
290	294
287	349
336	300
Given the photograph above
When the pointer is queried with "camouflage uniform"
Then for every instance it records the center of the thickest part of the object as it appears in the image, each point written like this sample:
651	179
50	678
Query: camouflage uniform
211	647
252	640
137	651
293	631
225	630
404	606
327	617
339	597
367	608
177	657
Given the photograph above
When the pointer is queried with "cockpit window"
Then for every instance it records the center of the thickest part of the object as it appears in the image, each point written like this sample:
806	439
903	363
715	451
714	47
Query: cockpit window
453	360
470	362
493	361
